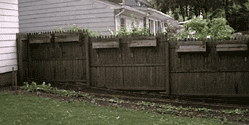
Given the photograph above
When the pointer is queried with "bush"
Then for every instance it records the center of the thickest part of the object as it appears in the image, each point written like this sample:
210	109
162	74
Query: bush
220	30
215	28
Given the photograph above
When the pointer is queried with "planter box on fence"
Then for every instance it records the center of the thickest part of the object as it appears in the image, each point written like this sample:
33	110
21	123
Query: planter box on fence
234	45
40	38
67	37
142	42
105	43
191	46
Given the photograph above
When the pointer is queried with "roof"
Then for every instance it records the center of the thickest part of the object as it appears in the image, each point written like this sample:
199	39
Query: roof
145	2
142	10
155	13
120	1
113	1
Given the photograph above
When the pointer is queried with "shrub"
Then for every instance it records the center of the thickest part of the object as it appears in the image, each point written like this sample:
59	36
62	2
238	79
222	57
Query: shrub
77	28
215	28
220	30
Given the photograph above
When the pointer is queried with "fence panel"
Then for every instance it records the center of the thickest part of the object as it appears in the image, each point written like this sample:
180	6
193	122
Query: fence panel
54	61
210	73
130	68
104	65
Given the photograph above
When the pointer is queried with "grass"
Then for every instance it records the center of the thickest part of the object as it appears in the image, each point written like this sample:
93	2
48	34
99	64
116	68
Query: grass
30	110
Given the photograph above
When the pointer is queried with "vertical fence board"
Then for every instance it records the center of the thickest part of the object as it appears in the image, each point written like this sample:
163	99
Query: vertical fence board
20	57
243	85
166	69
87	55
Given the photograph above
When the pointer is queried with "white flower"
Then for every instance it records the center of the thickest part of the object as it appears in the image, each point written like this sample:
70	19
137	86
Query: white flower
117	117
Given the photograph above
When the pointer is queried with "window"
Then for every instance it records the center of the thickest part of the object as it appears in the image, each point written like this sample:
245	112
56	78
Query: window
151	26
138	4
159	27
144	22
122	22
137	23
156	24
165	24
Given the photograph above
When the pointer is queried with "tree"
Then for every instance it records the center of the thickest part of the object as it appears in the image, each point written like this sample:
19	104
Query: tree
236	12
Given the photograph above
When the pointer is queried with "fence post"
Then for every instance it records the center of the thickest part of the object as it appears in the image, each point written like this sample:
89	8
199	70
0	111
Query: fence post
12	77
19	47
86	40
167	67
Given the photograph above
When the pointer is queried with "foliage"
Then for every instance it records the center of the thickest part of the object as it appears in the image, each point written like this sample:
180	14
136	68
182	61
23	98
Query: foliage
219	29
123	31
236	12
215	28
34	87
77	29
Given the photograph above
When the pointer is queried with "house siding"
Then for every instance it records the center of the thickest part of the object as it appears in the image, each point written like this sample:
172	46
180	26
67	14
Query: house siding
130	2
8	29
37	16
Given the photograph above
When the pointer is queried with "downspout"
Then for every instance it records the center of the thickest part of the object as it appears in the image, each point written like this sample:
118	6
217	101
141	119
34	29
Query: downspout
116	20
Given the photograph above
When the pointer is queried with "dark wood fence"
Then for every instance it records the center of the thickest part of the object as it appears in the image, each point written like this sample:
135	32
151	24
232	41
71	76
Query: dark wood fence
42	59
130	66
204	67
209	73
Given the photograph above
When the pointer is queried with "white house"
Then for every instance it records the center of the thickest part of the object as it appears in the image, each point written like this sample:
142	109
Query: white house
38	16
8	29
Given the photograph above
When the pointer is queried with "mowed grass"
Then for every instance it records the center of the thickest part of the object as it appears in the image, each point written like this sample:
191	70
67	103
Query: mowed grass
33	110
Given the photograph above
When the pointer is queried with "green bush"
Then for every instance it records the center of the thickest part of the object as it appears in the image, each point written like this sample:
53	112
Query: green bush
219	29
77	28
34	87
215	28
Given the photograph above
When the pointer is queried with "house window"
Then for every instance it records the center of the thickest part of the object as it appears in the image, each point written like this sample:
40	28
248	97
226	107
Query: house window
122	22
144	22
151	26
165	24
156	24
138	4
137	22
159	27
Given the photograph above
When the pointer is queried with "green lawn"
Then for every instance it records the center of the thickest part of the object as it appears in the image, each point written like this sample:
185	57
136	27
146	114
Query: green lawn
33	110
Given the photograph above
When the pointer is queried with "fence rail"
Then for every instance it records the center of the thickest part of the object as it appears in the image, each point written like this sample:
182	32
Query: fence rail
137	63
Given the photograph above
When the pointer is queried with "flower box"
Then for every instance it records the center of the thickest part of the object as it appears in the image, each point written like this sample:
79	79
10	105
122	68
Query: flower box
142	42
67	37
233	45
108	44
40	38
98	43
191	46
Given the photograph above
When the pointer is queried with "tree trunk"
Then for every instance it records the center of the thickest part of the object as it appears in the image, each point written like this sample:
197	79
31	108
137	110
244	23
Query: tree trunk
182	12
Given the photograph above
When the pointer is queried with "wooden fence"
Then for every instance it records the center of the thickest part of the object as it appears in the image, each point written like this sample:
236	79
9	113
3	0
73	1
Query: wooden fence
204	67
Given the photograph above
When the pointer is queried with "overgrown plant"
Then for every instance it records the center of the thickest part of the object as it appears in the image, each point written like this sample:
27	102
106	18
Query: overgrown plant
203	28
77	29
123	31
34	87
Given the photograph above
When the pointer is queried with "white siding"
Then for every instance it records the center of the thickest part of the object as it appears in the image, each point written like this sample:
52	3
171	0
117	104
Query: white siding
8	29
45	15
